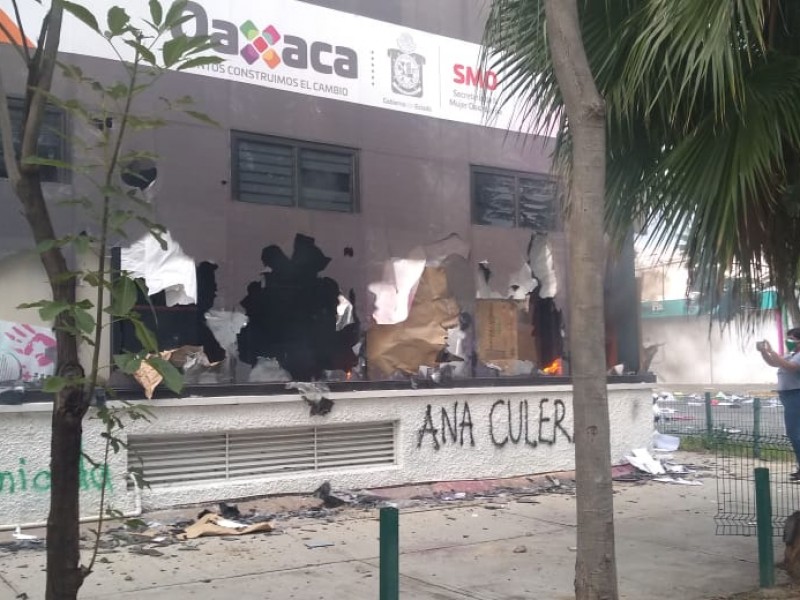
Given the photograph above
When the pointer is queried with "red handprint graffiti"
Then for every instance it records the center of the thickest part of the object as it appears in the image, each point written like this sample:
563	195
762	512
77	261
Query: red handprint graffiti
33	347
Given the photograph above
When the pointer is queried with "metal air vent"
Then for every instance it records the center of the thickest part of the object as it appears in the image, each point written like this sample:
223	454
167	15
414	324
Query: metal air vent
170	459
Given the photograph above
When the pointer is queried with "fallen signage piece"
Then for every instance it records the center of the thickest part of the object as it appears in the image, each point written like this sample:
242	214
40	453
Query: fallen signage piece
643	461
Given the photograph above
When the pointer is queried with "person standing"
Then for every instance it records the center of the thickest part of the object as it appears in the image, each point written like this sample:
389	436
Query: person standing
788	387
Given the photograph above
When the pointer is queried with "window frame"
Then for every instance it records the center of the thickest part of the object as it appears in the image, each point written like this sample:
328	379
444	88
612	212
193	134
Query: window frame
296	146
17	103
517	176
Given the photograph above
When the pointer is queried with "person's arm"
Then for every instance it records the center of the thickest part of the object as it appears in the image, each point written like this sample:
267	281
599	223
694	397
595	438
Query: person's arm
774	359
768	355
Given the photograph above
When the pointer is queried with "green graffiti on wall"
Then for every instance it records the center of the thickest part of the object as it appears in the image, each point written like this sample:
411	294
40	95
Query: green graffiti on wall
26	480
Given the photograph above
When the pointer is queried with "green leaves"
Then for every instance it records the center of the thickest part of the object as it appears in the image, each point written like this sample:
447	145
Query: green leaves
54	384
128	363
51	309
81	13
84	321
174	13
703	118
123	296
172	377
118	21
146	337
173	50
156	12
145	52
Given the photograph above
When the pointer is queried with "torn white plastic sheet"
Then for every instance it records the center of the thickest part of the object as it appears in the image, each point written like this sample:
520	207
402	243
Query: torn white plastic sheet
344	313
521	284
395	293
438	252
170	270
643	461
457	342
668	443
268	370
484	291
540	259
226	325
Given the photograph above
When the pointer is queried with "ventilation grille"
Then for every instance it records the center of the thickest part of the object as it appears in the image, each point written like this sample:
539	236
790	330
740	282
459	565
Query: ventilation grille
168	459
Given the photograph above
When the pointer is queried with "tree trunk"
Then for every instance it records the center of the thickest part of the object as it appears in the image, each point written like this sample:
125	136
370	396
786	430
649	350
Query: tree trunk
595	568
64	575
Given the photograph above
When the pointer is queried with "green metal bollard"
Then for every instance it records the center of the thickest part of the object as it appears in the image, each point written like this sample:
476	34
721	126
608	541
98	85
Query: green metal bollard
389	554
757	427
766	558
709	416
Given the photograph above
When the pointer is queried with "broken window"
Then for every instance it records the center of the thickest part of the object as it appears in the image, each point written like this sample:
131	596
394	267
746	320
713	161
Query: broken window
510	199
269	170
52	145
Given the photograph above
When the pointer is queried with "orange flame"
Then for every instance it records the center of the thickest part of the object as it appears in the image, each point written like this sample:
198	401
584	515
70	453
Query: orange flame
349	375
554	368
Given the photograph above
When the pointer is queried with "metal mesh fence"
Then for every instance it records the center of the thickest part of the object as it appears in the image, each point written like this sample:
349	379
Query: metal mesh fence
694	414
743	432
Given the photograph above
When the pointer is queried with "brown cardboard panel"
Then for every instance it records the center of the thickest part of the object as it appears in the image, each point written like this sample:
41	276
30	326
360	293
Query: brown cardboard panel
418	340
497	325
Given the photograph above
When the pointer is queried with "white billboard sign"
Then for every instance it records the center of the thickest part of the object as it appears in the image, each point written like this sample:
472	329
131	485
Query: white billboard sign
297	47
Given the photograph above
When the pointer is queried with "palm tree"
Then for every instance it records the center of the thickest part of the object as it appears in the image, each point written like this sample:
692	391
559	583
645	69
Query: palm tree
702	116
703	122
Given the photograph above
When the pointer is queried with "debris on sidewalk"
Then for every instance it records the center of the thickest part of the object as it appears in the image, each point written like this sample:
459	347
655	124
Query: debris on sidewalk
212	524
677	480
642	460
661	471
229	511
666	443
323	492
24	537
313	544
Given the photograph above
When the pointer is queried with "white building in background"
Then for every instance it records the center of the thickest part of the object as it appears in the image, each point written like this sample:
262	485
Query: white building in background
691	347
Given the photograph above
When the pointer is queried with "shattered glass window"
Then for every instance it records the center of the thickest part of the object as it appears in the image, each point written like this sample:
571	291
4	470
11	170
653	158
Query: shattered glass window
536	203
264	172
51	139
494	199
289	173
326	180
509	199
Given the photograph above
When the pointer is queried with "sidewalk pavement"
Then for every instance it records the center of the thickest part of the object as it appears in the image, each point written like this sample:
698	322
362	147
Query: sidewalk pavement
665	539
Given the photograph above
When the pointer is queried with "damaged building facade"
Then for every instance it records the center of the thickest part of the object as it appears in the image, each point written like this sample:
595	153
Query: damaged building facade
353	227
